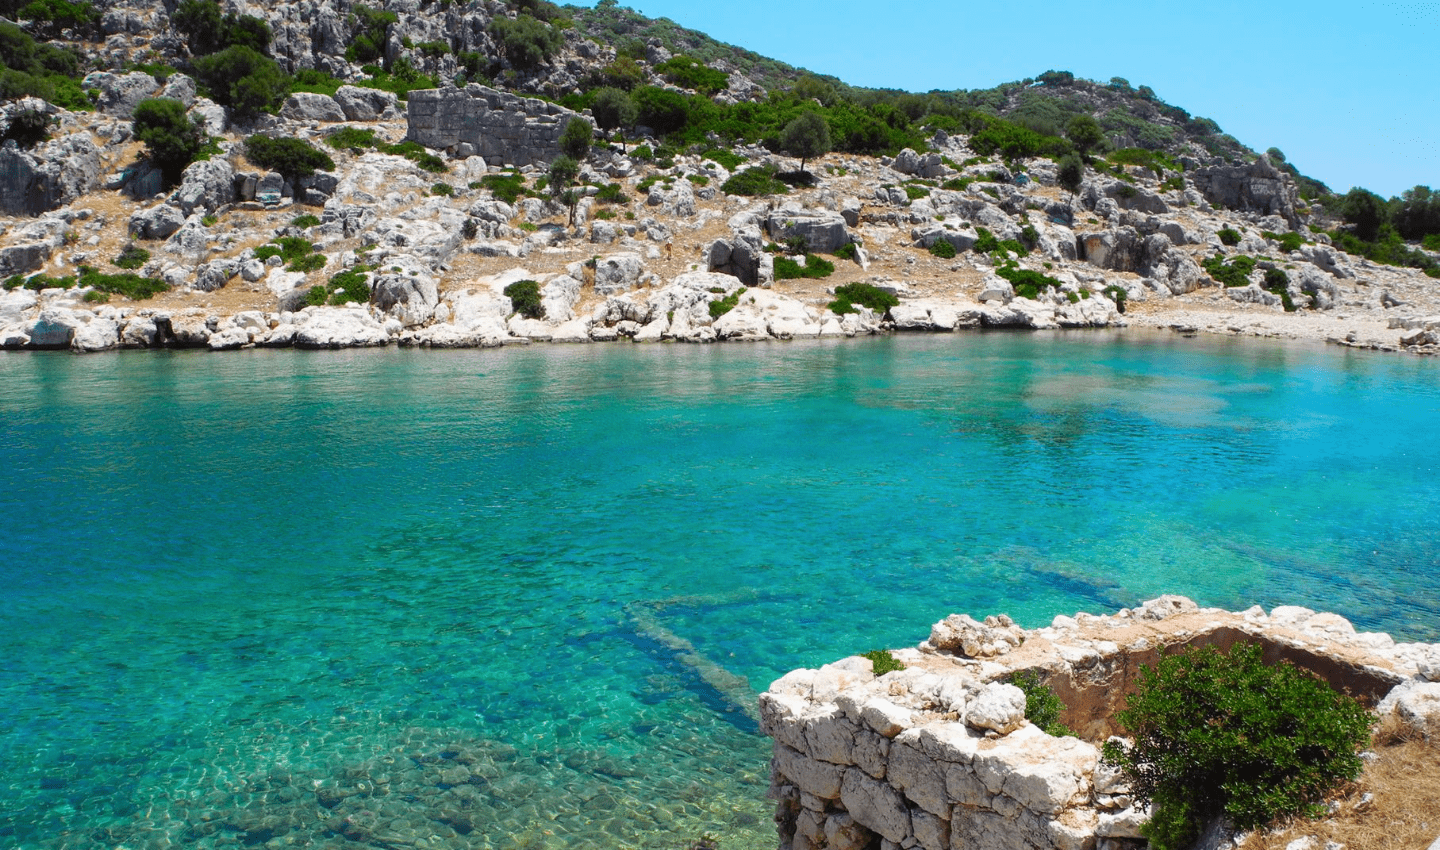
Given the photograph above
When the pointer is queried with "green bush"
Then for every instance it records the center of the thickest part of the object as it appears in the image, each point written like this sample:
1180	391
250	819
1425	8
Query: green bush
317	296
294	158
690	73
729	159
349	286
661	109
1027	283
171	139
243	79
133	257
508	187
643	153
1225	734
1042	706
443	190
434	49
50	17
372	28
417	154
207	31
846	251
721	306
131	286
315	81
352	137
882	661
611	193
1235	273
1118	295
306	220
401	79
524	295
1229	237
864	294
815	268
525	41
942	249
755	181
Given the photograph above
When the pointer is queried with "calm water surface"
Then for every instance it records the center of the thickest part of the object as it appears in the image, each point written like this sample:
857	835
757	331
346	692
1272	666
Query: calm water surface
497	599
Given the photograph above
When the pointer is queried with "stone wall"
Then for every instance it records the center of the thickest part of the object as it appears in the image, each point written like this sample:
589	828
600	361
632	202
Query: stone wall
502	128
939	755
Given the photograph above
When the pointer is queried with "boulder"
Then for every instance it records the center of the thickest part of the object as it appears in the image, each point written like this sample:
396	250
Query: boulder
157	222
121	93
55	327
409	295
616	273
205	186
48	176
312	107
823	231
999	708
360	104
98	334
339	327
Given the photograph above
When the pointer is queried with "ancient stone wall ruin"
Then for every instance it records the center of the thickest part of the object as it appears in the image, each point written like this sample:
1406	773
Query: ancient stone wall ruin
939	755
502	128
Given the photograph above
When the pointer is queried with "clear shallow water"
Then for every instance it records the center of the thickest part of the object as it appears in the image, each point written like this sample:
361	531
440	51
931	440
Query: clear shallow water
464	599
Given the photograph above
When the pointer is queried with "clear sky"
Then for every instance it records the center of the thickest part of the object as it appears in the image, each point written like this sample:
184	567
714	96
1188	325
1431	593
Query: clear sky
1347	90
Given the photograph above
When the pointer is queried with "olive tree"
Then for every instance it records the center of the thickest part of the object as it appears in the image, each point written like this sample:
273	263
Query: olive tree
171	139
575	139
807	136
613	109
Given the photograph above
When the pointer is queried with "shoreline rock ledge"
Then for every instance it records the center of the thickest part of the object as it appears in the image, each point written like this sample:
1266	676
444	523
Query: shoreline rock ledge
939	755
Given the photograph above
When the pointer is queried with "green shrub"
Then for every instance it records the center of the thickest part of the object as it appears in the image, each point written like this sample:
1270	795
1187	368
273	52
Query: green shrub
306	220
1042	706
443	190
1278	282
815	268
525	41
721	306
846	251
729	159
524	295
434	48
243	79
133	257
611	193
417	154
661	109
1027	283
49	17
131	286
171	139
755	181
642	153
1118	295
294	158
864	294
372	28
690	73
698	179
942	249
1235	273
38	282
915	193
882	661
1229	237
206	30
349	286
318	82
317	296
307	263
604	215
1225	734
402	78
508	187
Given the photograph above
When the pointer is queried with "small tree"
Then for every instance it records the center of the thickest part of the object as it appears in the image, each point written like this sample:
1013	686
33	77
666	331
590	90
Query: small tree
807	136
527	42
563	172
294	158
1071	172
243	79
613	109
1084	133
575	139
171	139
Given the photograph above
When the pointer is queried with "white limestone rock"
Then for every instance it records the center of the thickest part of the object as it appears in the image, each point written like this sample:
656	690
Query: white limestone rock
999	708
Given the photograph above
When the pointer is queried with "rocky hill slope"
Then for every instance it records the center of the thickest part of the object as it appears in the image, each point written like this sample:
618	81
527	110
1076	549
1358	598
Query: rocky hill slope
423	243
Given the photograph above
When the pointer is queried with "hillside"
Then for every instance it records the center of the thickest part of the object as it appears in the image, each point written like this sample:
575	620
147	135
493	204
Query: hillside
281	174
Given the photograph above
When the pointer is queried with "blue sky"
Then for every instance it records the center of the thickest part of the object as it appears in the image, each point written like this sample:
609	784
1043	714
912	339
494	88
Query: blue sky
1346	90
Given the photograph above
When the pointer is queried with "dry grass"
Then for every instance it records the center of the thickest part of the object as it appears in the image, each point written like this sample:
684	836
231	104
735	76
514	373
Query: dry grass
1403	814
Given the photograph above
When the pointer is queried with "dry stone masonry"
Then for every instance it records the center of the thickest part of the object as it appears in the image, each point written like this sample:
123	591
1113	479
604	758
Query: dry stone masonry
940	756
502	128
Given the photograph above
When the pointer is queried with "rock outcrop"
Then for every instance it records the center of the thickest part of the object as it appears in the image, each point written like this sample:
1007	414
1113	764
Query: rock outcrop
1258	187
501	128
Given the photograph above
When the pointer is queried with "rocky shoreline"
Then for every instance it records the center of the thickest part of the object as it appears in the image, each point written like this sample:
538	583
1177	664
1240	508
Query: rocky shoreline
939	755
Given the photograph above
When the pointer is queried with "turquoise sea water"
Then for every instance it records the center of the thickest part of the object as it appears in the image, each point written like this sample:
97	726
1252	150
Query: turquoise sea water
496	598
